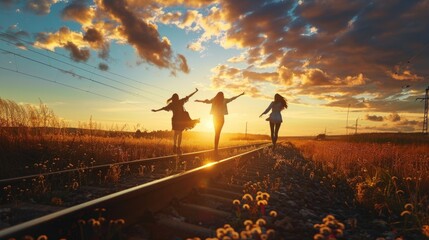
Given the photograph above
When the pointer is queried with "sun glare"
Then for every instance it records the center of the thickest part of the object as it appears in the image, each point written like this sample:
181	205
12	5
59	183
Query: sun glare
207	124
209	164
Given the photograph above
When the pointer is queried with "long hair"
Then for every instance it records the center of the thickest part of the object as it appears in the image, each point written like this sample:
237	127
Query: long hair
173	98
279	98
218	99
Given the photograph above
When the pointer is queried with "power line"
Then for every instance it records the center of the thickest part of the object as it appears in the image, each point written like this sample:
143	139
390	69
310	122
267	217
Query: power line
60	83
419	52
80	76
69	64
89	65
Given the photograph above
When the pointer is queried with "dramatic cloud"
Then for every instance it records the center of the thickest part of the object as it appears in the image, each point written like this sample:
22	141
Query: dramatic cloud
40	7
183	63
316	77
374	118
143	36
394	117
95	39
339	53
393	123
234	80
78	55
59	39
78	11
334	48
93	36
103	66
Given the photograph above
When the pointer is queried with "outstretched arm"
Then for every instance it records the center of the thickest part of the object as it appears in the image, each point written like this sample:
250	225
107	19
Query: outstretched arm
203	101
157	110
267	110
190	95
235	97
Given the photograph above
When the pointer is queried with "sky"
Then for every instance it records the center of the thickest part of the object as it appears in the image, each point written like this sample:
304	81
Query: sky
342	65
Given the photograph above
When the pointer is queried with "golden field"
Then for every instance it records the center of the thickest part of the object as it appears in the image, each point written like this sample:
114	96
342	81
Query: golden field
391	179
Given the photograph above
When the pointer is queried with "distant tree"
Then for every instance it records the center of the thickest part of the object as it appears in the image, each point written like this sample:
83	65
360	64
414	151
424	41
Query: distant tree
138	134
321	136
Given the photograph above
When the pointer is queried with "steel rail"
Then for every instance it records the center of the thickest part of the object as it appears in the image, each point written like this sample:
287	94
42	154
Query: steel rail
130	204
107	165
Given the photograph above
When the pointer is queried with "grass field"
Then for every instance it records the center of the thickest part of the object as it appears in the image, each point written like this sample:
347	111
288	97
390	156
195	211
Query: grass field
389	173
34	140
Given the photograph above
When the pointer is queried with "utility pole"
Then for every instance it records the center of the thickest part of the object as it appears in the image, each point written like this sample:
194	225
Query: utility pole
347	122
356	125
425	114
245	134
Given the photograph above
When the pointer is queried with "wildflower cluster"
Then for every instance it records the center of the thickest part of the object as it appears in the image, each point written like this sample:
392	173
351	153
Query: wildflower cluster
383	176
99	227
414	219
113	174
252	206
267	184
252	230
330	229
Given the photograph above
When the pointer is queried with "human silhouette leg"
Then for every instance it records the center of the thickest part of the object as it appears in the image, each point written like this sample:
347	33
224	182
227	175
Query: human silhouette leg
218	122
276	132
272	133
179	141
175	137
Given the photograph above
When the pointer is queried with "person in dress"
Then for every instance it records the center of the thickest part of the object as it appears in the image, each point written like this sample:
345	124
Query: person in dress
275	117
180	120
218	109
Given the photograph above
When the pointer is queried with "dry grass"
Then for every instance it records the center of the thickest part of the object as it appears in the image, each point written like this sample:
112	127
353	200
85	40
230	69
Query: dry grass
385	176
34	140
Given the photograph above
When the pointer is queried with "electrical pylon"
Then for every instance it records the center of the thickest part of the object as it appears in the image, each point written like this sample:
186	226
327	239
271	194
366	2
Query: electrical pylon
425	115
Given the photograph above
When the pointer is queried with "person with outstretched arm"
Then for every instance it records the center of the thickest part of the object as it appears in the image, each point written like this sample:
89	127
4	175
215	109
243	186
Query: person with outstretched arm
219	109
275	118
180	120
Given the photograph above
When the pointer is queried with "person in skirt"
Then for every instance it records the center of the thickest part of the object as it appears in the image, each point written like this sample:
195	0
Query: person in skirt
181	120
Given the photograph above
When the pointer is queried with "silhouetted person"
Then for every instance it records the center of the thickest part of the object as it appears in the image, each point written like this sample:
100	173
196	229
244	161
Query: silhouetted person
275	117
180	120
219	109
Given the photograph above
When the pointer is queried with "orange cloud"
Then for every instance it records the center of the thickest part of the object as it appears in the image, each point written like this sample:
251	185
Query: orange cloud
59	39
78	11
331	50
143	36
405	75
315	77
95	39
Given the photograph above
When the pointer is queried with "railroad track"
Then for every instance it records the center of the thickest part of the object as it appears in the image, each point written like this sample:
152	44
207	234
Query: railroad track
137	162
42	193
202	195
